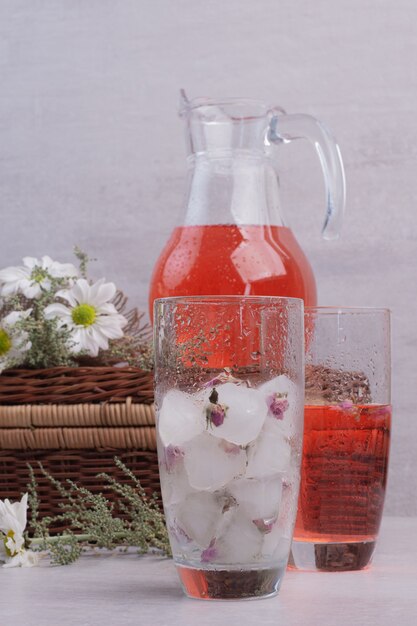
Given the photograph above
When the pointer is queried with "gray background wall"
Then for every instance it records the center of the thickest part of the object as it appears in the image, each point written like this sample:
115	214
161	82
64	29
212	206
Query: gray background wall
91	150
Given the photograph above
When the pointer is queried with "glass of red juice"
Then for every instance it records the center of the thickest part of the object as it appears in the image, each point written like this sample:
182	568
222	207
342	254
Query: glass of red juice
347	425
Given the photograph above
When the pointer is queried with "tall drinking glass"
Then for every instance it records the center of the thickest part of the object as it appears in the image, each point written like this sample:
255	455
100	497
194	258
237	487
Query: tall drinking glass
346	438
229	373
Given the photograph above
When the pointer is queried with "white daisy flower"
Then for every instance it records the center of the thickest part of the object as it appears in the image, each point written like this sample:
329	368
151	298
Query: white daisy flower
25	558
90	316
13	342
13	518
33	276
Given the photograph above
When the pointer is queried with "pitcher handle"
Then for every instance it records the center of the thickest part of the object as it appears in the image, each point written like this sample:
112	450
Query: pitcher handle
286	128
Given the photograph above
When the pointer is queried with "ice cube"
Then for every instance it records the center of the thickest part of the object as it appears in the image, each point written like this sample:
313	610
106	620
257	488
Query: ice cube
282	385
210	463
244	413
180	418
198	515
259	499
179	539
240	542
203	515
270	453
175	485
284	402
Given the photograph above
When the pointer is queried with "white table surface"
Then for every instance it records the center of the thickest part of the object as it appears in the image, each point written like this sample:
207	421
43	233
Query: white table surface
126	589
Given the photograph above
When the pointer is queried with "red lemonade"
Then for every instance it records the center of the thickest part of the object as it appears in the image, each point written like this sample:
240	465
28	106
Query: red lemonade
226	259
344	473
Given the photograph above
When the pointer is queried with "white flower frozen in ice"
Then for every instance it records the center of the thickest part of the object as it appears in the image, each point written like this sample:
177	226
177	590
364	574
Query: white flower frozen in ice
33	276
13	342
13	519
90	316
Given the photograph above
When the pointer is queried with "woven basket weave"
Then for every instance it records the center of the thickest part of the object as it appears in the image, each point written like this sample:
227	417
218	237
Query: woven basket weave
74	421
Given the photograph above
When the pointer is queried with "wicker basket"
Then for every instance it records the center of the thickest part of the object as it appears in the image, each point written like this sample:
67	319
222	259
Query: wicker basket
74	421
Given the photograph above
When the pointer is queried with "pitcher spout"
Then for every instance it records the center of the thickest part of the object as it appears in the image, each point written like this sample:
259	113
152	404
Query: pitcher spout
184	104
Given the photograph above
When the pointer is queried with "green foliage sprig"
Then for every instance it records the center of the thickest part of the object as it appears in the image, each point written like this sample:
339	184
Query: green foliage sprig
93	520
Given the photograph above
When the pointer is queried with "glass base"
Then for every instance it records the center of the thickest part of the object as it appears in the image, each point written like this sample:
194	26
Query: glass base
331	557
230	584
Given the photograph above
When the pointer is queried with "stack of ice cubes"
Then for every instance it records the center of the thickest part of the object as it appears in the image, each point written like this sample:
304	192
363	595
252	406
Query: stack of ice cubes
229	466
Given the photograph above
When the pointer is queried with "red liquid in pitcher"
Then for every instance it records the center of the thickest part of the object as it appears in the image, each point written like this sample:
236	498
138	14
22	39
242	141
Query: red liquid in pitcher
227	259
344	473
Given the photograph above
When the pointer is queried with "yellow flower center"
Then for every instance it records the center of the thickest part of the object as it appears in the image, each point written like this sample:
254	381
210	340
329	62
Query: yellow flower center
5	342
84	315
10	535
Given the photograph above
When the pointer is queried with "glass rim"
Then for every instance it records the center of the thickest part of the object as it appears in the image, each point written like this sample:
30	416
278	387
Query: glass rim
255	109
341	310
229	299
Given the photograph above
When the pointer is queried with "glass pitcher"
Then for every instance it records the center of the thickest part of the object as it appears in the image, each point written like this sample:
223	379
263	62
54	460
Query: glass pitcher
234	239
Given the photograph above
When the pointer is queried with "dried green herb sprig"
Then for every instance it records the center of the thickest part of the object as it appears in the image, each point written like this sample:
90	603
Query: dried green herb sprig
94	521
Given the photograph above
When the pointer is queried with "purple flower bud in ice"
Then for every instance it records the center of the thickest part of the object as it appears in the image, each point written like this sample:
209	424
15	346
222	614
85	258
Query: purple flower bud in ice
172	454
212	382
277	405
210	553
265	525
216	414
